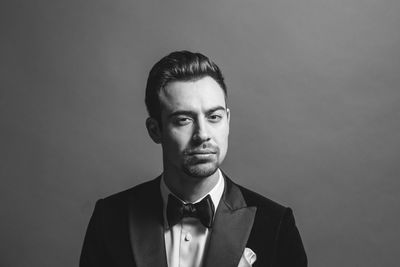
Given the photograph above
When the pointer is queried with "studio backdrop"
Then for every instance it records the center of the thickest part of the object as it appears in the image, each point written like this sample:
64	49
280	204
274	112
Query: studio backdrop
314	93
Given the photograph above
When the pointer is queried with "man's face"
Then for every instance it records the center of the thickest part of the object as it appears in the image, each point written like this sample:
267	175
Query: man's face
195	126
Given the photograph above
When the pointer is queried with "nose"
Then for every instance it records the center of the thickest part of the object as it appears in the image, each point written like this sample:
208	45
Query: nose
201	133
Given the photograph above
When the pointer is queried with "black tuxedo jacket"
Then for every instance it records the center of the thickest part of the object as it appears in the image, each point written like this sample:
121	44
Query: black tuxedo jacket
126	230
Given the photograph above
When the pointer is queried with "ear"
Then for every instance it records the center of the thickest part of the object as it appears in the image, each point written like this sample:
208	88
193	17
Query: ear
153	128
228	115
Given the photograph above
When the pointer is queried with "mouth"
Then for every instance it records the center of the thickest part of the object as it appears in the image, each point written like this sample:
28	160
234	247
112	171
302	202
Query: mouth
201	152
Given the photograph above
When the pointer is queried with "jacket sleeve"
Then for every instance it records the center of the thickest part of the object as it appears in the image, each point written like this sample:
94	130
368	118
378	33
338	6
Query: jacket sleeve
93	251
290	249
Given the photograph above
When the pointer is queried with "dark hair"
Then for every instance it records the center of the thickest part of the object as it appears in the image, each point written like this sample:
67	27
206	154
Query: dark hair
178	66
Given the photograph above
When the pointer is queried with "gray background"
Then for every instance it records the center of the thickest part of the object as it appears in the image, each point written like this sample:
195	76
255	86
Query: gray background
314	93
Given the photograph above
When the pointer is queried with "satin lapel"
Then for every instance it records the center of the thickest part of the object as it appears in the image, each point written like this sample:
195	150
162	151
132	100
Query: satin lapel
146	226
232	225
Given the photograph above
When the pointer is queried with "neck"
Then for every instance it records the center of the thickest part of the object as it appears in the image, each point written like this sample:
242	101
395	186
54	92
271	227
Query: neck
189	188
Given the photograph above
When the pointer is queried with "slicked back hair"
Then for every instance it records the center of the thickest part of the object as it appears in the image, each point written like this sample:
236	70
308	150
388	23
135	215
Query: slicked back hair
178	66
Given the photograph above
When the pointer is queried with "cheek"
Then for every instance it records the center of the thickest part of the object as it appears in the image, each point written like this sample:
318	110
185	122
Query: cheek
223	134
178	140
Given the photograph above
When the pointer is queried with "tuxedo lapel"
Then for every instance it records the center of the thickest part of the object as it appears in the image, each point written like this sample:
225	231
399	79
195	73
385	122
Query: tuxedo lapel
146	226
232	225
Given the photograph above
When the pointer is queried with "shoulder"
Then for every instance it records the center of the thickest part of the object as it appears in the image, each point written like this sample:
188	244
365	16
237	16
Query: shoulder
266	207
141	192
255	199
252	198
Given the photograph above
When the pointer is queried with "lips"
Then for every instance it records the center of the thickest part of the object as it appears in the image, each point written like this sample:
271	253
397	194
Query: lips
201	152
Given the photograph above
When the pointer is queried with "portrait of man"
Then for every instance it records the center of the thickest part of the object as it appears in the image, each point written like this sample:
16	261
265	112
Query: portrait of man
192	214
199	133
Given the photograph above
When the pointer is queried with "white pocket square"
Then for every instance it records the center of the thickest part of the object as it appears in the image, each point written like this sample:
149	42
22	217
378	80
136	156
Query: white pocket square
248	258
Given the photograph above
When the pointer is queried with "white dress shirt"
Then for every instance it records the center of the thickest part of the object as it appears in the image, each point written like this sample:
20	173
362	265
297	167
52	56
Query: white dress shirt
185	242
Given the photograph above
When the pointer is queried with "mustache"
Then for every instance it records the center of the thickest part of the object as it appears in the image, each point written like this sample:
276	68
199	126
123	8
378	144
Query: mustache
203	149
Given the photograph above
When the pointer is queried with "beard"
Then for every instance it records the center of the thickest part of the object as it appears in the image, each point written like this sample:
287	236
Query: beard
201	167
202	170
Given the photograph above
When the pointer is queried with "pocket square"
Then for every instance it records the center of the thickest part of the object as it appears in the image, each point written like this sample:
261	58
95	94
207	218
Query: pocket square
248	258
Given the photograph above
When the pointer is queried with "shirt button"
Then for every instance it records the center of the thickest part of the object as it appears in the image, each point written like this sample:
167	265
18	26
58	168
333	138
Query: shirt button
188	237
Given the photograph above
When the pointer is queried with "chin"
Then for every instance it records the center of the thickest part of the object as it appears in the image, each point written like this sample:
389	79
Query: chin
201	170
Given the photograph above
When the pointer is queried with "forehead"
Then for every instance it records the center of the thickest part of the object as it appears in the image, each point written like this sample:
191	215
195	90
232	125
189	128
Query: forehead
201	94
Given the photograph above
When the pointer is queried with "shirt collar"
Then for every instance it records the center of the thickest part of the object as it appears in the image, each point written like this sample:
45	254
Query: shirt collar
215	194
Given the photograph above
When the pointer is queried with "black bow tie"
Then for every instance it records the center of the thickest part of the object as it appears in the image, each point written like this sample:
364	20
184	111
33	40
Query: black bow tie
203	210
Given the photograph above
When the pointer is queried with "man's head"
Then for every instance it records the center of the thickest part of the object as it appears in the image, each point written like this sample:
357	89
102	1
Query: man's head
186	101
178	66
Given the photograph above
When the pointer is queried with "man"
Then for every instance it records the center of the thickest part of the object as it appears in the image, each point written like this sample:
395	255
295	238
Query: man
191	215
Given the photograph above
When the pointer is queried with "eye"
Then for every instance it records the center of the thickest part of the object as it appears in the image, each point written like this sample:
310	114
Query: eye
181	121
215	117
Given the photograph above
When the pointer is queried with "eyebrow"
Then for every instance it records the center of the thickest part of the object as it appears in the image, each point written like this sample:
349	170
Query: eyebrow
191	113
